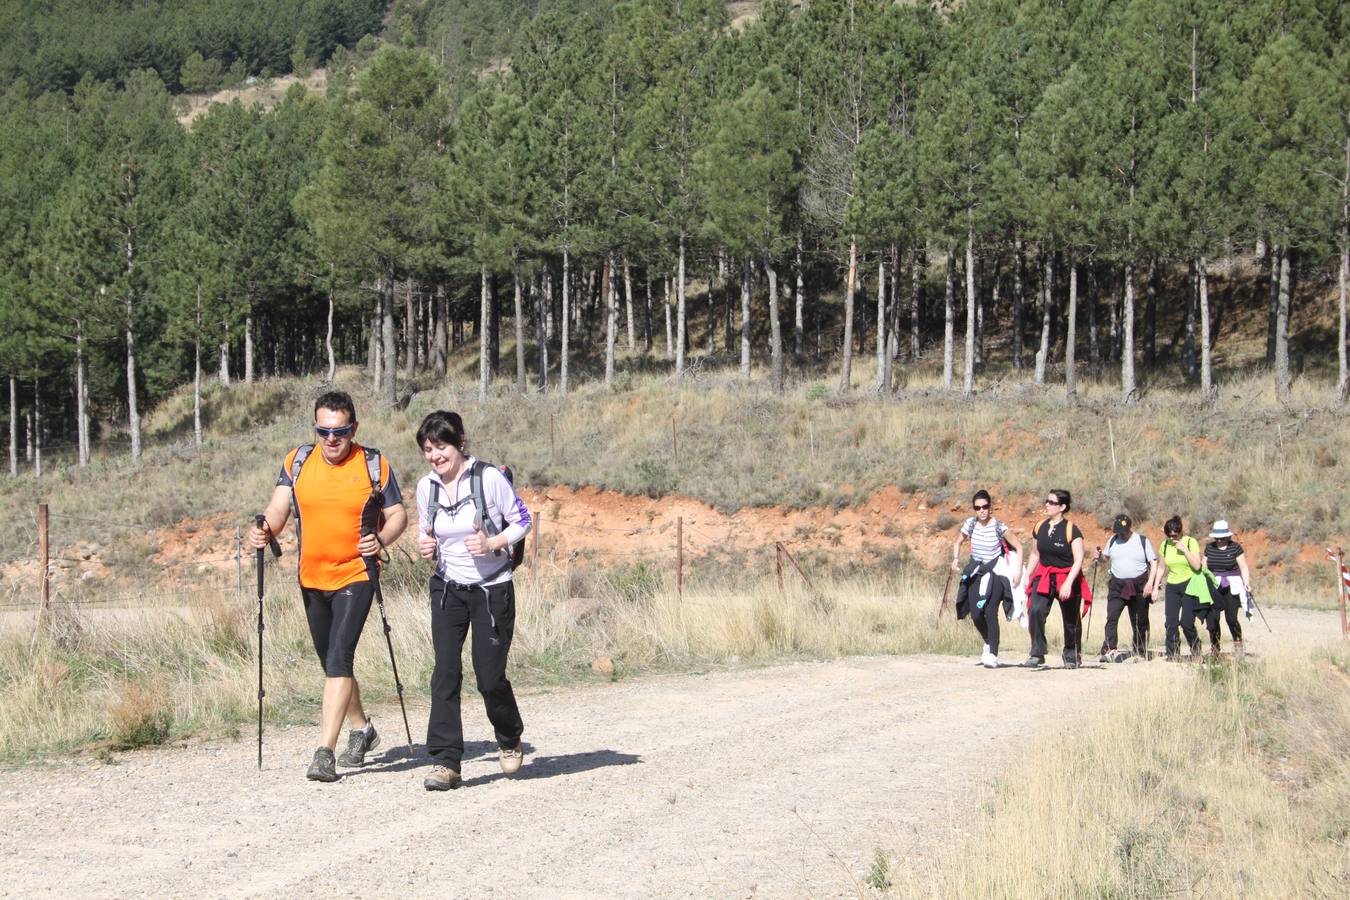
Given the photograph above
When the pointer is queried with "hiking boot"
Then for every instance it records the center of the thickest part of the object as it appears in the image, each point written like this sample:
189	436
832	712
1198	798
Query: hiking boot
441	778
511	759
360	741
324	766
1034	662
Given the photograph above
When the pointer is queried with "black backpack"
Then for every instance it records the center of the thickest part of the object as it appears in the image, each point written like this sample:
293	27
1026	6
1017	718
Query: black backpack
491	528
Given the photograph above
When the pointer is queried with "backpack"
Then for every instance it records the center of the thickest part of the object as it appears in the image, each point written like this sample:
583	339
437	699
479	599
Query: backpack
371	515
490	527
1143	545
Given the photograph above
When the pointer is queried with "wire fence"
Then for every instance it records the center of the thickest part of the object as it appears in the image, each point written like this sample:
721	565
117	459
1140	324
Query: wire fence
564	547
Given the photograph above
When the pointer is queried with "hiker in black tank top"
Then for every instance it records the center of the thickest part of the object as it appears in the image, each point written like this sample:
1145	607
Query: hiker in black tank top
1056	573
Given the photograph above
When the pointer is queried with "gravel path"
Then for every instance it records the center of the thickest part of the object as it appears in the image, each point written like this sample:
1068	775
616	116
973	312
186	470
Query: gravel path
781	781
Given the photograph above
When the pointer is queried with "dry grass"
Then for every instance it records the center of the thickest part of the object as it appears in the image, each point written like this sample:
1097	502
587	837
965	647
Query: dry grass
142	676
1226	782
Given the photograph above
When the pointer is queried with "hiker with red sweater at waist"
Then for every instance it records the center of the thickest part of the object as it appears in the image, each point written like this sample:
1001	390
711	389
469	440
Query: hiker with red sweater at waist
1056	566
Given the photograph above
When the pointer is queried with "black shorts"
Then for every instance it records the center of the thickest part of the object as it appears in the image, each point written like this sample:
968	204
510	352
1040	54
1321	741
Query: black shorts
335	622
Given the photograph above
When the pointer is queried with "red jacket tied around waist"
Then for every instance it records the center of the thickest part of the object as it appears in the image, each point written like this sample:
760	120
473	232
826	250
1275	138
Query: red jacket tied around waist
1047	579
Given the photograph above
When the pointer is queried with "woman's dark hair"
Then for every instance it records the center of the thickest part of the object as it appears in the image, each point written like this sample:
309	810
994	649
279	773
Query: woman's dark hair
337	401
1065	501
442	427
981	494
1173	526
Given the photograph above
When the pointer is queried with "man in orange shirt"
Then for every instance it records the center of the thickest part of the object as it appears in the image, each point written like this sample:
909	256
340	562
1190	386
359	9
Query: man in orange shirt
329	491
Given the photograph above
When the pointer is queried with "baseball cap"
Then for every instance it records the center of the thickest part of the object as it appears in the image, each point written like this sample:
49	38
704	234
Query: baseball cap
1121	525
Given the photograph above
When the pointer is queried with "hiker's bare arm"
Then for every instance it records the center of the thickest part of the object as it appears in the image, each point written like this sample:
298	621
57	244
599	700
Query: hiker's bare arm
956	552
1246	572
277	513
1066	588
1195	559
1152	581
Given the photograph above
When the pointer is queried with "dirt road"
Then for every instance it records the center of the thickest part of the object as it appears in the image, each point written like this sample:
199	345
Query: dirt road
772	782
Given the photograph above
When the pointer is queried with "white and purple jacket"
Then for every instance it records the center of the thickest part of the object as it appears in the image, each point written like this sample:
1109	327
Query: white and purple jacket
455	521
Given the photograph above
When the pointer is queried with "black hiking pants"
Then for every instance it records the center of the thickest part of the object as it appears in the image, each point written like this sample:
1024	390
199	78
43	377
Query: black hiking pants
490	612
1182	610
1073	626
1136	606
1230	605
984	612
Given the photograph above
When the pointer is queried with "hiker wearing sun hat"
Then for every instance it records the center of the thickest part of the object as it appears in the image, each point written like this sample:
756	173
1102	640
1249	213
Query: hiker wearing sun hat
1134	569
1227	560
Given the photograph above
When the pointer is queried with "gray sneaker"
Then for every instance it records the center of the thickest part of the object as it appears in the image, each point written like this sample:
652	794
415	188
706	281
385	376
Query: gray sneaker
441	778
360	741
1033	662
323	767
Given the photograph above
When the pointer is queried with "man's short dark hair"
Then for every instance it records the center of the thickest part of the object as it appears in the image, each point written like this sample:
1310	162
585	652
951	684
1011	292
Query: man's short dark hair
337	401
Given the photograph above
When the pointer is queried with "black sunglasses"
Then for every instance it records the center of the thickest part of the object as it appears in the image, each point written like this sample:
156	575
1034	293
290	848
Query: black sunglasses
980	506
339	432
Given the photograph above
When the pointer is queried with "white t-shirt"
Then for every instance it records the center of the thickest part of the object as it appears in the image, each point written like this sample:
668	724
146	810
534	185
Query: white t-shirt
986	541
455	519
1130	557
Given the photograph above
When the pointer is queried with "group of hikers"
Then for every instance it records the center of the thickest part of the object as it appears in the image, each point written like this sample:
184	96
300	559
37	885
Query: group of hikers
1210	584
348	508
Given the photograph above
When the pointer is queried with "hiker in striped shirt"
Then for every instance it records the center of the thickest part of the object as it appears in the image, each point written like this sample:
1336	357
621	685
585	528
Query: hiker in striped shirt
986	535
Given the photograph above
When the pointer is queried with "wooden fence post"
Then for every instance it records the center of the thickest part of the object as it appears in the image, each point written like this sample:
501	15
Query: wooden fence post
674	439
778	563
679	557
44	562
1341	590
534	557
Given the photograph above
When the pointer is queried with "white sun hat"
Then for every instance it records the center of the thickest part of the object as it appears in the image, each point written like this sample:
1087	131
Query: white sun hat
1221	530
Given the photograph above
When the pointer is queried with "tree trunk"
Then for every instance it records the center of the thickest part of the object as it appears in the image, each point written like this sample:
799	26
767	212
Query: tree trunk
440	348
133	416
916	267
745	318
1047	314
196	379
968	380
628	301
799	298
681	323
647	317
1129	392
775	328
949	320
1189	363
846	363
495	330
328	340
882	380
607	284
566	320
1094	331
1273	315
37	429
225	353
543	303
82	385
484	333
1282	380
1071	336
1206	354
1019	324
13	427
388	344
1343	376
376	318
665	303
520	334
409	332
248	344
1151	316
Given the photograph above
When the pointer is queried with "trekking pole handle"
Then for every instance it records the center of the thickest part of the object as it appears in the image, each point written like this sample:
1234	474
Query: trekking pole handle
265	526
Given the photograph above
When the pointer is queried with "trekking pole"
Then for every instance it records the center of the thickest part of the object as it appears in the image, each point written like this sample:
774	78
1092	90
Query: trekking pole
373	571
1096	568
943	604
1258	609
276	550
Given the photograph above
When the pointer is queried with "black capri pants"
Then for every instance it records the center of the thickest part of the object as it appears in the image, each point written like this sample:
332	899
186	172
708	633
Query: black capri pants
335	622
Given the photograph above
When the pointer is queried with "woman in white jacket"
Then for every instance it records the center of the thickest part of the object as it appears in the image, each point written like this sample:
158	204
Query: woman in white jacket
470	591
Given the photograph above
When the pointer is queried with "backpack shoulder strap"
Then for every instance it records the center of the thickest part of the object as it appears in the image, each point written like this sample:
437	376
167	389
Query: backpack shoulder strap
1143	545
372	467
479	498
297	463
